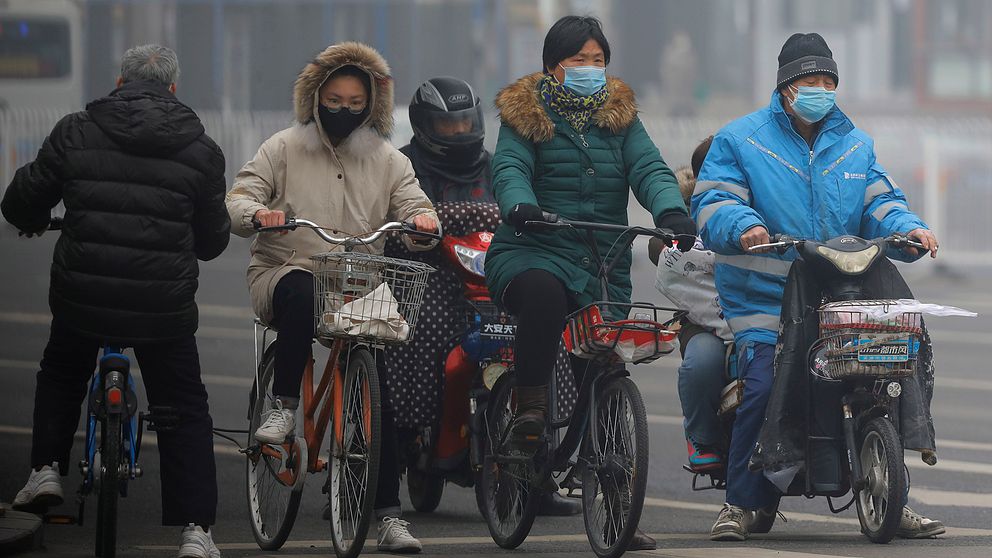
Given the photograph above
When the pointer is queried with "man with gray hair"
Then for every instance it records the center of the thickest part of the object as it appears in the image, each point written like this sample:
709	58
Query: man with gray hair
143	188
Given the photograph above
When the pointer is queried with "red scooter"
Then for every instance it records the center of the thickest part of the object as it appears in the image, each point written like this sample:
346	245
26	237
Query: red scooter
468	365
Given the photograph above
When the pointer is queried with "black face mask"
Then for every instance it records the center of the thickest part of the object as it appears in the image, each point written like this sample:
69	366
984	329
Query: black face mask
342	123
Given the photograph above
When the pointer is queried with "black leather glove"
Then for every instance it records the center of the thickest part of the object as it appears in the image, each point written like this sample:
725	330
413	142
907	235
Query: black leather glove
523	212
681	225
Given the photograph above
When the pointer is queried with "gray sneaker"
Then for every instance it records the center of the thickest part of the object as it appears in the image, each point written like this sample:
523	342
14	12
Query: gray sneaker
915	526
731	524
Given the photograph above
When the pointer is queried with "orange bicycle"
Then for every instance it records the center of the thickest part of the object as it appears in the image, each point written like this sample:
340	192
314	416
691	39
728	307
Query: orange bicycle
362	302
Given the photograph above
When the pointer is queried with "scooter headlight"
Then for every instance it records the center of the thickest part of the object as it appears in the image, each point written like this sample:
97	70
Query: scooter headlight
850	262
471	259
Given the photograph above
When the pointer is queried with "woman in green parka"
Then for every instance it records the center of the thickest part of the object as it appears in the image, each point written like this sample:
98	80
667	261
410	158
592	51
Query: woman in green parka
571	144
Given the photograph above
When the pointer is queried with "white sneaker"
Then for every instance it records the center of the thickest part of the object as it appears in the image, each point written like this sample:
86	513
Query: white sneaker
278	425
196	543
395	537
43	490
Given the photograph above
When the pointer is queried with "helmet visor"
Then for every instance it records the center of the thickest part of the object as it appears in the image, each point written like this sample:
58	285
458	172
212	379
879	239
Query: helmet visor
456	127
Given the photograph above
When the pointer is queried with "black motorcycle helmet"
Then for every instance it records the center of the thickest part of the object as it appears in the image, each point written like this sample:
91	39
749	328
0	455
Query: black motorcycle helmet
446	116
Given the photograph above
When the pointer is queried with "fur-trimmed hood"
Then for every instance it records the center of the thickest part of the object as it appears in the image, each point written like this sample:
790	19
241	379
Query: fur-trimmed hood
333	57
521	108
687	182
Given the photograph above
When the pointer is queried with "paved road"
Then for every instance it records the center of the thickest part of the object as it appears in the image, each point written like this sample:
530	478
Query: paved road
958	490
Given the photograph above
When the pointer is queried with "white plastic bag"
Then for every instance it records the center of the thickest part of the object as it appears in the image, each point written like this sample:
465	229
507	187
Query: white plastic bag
902	305
375	314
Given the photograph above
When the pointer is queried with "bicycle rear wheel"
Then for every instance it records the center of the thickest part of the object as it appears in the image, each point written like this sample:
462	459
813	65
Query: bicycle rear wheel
615	480
275	473
508	500
353	472
111	459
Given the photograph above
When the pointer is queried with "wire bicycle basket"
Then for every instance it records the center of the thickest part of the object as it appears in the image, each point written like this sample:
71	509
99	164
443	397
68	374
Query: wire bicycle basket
642	339
864	339
367	297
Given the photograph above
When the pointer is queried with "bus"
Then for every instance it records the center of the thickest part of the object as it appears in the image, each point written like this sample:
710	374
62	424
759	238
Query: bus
41	54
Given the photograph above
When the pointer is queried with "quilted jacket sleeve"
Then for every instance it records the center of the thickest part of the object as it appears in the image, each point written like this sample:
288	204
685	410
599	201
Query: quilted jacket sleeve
37	186
513	170
886	210
653	183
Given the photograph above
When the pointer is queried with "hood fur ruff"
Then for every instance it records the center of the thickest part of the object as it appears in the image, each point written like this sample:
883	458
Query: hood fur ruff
347	54
521	108
687	182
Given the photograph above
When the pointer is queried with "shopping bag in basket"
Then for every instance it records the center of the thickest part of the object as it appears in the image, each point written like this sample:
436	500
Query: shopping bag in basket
640	340
374	315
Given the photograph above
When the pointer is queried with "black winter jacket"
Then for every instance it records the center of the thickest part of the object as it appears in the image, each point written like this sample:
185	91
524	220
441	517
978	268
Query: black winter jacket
143	188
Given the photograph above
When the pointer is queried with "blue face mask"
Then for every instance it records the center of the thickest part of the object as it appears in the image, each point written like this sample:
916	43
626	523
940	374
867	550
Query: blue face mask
812	103
584	80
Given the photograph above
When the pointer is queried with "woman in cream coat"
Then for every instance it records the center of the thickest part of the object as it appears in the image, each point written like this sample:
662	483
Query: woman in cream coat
336	167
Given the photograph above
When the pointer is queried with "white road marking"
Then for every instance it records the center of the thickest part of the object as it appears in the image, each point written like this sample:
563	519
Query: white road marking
962	445
221	446
933	497
952	466
205	332
209	379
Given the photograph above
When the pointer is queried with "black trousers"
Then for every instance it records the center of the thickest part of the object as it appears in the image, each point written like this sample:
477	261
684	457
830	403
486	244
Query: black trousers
171	374
540	303
292	306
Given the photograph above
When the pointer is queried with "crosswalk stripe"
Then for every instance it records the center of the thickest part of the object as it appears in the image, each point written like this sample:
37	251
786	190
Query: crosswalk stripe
932	497
953	466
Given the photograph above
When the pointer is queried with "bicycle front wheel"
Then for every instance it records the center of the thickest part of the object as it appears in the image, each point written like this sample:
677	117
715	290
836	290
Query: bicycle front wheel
275	472
507	499
356	424
615	479
111	460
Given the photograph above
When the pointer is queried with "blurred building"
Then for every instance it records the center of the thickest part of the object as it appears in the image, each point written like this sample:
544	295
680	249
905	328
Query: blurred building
705	56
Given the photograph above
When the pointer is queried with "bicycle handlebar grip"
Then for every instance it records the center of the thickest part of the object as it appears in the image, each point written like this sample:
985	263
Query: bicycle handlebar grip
549	217
55	224
289	226
425	237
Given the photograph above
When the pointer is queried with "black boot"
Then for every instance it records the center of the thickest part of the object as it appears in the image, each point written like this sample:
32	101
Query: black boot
641	541
528	421
554	504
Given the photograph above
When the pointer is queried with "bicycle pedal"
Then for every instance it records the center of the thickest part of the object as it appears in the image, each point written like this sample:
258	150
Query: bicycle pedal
60	519
161	418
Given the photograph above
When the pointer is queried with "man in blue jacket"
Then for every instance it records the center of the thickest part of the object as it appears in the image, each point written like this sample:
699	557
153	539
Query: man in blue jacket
797	167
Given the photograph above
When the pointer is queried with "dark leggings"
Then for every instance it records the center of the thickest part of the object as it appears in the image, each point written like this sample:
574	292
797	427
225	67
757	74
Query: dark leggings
292	306
540	303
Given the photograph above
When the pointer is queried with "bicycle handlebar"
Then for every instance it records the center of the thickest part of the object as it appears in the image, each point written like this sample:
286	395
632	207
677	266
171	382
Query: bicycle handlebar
782	242
553	221
295	222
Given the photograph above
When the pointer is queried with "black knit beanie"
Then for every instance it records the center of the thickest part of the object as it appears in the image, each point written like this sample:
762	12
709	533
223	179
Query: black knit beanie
804	54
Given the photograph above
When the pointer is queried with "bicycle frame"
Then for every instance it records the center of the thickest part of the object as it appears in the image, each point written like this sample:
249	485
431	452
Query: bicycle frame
320	402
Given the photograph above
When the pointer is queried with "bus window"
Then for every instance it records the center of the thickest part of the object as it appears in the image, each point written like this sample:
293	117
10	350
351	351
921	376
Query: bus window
34	48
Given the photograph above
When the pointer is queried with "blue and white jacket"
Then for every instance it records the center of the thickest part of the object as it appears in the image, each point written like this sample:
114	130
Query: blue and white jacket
760	171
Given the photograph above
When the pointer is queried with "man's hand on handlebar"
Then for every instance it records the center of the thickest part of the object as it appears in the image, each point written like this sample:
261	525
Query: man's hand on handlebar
924	237
270	218
753	237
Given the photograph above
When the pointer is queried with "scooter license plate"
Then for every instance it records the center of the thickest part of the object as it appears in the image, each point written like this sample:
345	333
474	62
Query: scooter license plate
498	327
871	350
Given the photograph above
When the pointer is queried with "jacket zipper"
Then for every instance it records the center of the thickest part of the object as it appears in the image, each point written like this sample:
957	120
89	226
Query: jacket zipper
582	138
